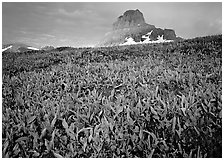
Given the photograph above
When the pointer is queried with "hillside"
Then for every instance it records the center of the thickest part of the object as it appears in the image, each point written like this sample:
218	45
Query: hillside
147	100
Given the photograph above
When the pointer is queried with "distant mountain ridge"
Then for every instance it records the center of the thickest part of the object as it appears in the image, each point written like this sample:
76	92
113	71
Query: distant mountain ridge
47	48
17	47
132	25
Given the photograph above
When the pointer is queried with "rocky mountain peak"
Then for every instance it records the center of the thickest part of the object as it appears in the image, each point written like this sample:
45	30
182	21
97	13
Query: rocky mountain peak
131	27
130	18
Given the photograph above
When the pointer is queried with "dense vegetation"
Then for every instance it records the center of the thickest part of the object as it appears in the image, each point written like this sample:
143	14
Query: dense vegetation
152	100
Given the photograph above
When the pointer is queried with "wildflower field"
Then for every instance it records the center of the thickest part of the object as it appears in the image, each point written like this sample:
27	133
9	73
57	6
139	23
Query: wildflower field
150	100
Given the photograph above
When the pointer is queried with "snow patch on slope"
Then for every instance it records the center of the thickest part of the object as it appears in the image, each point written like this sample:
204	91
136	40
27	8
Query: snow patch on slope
33	48
6	48
161	40
130	40
146	37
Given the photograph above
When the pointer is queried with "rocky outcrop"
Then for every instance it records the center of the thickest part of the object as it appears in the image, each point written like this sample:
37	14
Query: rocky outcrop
131	18
169	34
132	24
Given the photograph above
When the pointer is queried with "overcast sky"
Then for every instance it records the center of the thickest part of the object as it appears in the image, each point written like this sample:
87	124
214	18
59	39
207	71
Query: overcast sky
84	24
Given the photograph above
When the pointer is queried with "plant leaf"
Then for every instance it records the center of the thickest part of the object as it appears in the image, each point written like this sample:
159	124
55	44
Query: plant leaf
43	133
53	121
52	139
31	119
139	104
174	123
184	111
57	155
22	139
153	111
65	124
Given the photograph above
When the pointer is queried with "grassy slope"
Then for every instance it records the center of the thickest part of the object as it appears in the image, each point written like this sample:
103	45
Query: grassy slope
150	100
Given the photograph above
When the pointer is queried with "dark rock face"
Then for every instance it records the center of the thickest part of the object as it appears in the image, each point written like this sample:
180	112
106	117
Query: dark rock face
131	18
132	24
169	34
156	32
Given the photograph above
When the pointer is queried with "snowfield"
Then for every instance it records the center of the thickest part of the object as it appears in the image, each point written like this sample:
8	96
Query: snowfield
160	39
6	48
129	41
33	48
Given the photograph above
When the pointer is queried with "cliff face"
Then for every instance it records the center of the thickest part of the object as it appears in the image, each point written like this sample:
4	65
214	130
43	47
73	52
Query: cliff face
169	34
132	24
131	18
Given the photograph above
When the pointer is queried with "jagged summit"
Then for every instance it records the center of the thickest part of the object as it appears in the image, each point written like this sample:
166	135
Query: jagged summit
132	25
130	18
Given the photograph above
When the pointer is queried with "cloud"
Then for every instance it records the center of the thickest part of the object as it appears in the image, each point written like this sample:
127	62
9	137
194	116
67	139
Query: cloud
48	35
71	14
66	22
217	22
75	13
216	26
35	34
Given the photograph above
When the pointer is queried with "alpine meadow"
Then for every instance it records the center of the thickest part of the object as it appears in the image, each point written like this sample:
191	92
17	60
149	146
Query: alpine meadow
141	92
